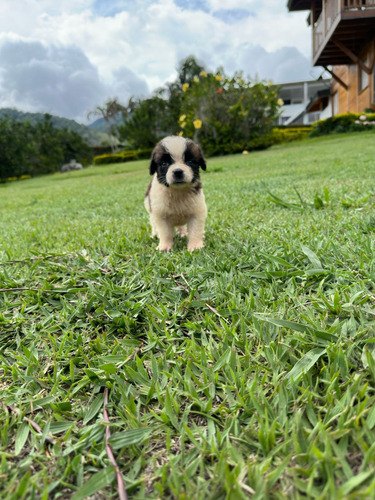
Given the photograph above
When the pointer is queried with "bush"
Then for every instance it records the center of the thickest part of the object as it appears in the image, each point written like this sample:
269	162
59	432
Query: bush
145	154
224	114
123	156
228	114
347	122
106	159
289	134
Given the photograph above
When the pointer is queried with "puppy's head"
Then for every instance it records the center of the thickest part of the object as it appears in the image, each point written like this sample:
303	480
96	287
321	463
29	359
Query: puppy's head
176	161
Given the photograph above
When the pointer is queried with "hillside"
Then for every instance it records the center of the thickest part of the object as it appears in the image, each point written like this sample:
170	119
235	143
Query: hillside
94	136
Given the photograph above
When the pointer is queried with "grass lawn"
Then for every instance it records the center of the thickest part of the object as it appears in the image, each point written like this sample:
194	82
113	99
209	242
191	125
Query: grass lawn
244	370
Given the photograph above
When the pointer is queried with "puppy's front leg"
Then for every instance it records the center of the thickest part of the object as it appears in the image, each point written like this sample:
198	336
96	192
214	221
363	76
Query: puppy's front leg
195	228
165	233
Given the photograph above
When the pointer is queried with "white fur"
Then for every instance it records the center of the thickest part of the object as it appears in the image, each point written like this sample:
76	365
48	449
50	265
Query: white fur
175	145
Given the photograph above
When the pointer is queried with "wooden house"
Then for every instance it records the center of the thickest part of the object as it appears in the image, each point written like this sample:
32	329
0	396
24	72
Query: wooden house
343	42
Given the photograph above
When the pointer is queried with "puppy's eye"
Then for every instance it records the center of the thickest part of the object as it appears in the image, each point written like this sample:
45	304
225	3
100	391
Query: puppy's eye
164	164
191	163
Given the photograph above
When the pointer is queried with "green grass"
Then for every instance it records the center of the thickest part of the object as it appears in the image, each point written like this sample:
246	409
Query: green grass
245	370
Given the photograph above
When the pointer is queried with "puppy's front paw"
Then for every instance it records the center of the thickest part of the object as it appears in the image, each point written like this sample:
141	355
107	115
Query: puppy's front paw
196	245
165	247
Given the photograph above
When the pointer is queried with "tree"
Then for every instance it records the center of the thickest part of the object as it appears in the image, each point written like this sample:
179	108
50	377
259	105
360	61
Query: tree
74	147
109	112
226	114
48	155
146	123
188	70
27	149
16	148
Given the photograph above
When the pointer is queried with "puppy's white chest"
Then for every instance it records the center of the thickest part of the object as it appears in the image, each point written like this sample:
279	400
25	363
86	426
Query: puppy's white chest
177	205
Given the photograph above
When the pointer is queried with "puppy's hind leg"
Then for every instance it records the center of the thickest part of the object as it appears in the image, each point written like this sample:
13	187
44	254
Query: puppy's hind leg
154	232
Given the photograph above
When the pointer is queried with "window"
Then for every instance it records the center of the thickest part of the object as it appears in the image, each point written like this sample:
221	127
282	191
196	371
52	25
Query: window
335	103
363	76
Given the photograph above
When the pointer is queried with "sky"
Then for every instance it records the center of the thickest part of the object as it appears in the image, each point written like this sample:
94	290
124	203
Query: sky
66	57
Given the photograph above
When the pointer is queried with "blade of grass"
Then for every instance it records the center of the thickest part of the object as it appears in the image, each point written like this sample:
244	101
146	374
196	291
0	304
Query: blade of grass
305	363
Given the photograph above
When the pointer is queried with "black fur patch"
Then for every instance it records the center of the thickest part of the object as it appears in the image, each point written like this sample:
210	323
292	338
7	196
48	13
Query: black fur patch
194	153
161	160
197	187
163	165
147	194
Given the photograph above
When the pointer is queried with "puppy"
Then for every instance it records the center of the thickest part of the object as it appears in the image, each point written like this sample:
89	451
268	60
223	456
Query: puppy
174	197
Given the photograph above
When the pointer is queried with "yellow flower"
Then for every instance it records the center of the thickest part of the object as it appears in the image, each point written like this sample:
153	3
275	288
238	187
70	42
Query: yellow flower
181	133
185	87
203	73
196	79
197	123
244	152
183	124
182	118
218	78
280	102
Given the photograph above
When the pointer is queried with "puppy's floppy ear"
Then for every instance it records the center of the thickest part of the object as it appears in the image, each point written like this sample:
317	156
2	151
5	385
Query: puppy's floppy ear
201	160
155	156
196	152
202	163
153	166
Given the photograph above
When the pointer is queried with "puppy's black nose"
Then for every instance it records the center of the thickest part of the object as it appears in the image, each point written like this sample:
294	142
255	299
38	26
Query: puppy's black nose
178	173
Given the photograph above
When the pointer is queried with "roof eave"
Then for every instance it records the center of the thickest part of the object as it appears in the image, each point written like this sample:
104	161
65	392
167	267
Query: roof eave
298	5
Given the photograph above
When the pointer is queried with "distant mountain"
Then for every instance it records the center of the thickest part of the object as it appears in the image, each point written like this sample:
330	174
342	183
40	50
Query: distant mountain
100	124
95	136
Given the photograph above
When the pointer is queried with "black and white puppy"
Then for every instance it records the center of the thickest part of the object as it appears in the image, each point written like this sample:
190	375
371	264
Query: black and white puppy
174	197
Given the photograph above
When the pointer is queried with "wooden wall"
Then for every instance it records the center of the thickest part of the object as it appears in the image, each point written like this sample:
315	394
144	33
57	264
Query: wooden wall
353	100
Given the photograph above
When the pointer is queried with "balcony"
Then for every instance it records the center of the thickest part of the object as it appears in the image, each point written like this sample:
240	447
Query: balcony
341	30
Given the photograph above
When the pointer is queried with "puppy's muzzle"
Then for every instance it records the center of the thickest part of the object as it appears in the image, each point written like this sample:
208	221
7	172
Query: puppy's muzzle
178	175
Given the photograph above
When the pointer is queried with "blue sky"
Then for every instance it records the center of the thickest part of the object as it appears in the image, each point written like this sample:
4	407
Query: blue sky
74	54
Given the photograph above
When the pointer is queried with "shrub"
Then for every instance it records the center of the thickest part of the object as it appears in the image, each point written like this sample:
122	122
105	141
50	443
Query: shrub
347	122
288	134
123	156
224	114
228	114
144	154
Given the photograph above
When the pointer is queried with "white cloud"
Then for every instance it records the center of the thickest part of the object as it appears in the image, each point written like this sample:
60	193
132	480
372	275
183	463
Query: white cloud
127	83
56	79
39	77
284	65
77	51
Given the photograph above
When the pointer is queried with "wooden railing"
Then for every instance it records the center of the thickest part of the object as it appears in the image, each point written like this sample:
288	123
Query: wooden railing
358	4
331	11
